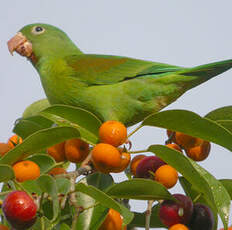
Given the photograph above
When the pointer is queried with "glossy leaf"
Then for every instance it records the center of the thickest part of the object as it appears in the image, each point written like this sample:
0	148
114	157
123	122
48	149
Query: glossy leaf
32	187
191	124
6	173
223	113
34	108
39	141
227	124
227	183
105	200
48	185
140	219
100	180
87	123
140	189
25	127
64	226
63	185
201	180
44	161
93	216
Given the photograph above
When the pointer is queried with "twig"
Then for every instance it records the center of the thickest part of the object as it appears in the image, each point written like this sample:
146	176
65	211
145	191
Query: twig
73	201
80	171
148	213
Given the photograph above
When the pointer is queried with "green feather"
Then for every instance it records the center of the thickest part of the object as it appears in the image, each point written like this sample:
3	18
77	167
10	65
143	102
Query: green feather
112	87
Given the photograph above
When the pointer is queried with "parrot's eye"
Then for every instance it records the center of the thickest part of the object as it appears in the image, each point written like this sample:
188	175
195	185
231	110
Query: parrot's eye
38	30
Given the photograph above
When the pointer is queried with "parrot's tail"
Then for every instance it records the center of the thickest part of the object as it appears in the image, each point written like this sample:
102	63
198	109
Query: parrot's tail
203	73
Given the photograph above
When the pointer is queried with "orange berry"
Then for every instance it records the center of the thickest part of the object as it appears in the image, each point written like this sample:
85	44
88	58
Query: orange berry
113	221
200	152
106	158
166	175
57	152
185	141
76	150
229	228
26	170
57	171
174	146
14	140
3	227
125	161
178	227
4	148
134	163
113	132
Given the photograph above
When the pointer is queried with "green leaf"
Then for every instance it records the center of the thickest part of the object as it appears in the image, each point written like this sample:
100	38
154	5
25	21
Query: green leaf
201	180
37	225
98	217
100	180
39	141
87	123
44	161
64	226
48	185
6	173
25	127
93	216
105	200
198	198
223	113
227	124
32	187
140	219
63	185
140	189
227	183
191	124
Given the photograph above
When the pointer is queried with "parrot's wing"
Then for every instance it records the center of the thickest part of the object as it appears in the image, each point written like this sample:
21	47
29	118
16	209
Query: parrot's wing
104	69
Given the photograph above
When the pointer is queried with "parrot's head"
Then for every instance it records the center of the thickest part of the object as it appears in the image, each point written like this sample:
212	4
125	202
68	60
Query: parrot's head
38	40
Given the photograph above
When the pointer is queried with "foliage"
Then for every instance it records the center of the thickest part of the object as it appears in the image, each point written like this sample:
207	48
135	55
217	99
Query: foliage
96	193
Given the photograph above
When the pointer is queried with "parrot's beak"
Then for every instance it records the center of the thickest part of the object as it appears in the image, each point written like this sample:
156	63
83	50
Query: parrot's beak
20	44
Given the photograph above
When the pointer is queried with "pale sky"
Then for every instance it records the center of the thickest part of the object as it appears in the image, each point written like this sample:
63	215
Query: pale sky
178	32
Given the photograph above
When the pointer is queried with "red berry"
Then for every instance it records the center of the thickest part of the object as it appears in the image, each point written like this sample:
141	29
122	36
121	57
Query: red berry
19	209
176	212
148	165
202	218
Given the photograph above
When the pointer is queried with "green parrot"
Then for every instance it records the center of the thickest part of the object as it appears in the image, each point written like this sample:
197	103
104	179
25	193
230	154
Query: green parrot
111	87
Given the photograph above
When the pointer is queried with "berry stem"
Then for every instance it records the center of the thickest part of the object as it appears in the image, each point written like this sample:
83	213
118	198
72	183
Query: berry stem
42	223
134	131
3	194
138	151
148	214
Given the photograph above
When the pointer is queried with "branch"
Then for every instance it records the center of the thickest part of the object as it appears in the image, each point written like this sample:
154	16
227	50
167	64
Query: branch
148	213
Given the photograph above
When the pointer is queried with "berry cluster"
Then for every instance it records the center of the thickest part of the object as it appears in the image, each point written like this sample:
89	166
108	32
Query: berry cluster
195	148
182	214
106	157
